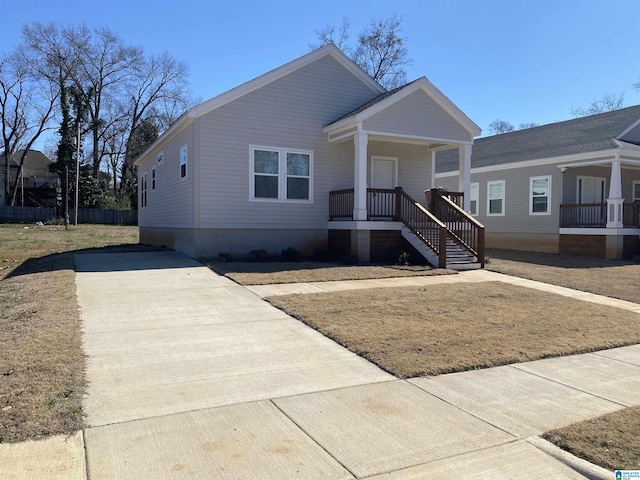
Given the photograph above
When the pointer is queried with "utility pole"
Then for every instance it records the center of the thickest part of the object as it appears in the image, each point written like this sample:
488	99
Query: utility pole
75	222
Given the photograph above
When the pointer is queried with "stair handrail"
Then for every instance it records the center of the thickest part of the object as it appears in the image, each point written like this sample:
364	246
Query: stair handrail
411	221
474	242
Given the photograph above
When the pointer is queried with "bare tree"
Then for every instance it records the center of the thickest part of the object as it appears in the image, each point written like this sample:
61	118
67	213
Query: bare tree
380	49
26	107
608	103
524	126
337	36
117	83
500	126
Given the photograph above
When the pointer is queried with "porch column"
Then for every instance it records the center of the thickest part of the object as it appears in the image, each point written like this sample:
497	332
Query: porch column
360	141
464	179
433	170
615	201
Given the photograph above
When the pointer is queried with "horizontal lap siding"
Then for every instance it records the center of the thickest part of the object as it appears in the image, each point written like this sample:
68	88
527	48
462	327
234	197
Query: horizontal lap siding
516	218
414	166
289	113
417	114
171	203
570	178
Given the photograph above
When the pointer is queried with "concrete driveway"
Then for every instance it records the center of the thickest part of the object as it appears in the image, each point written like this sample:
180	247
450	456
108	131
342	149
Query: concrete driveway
193	376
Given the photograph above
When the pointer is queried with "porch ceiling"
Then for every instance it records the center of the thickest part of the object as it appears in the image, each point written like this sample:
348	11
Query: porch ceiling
629	163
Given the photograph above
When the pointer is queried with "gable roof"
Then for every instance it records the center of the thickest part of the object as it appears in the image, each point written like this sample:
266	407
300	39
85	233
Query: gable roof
258	82
36	163
387	99
580	135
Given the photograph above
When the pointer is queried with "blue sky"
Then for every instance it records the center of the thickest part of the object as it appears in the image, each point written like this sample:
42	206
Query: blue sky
517	60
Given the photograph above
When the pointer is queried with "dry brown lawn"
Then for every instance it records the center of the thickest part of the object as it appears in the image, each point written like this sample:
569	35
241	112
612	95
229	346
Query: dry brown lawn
41	360
611	441
612	278
267	273
448	328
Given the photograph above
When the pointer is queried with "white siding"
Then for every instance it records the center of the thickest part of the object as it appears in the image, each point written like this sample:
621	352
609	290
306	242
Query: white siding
417	114
289	113
171	203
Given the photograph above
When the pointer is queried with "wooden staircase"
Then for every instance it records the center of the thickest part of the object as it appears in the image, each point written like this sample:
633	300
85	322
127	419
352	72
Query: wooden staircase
452	240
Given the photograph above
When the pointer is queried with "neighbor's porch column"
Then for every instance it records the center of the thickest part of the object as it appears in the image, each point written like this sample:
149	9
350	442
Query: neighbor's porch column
360	141
464	179
615	201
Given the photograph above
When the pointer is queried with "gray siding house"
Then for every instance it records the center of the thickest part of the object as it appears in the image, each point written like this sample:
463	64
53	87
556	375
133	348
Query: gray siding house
309	155
567	187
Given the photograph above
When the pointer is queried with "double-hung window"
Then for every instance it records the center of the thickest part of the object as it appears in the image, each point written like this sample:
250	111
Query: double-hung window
495	197
473	198
281	174
153	179
540	195
183	162
636	190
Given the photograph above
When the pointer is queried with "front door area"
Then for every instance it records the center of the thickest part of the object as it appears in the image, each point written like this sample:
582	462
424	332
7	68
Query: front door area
384	172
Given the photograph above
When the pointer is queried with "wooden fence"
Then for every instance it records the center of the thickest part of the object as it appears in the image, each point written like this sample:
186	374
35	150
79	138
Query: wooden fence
85	215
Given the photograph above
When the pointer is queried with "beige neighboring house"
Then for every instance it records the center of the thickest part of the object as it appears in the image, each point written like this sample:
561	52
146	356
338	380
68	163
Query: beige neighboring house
310	155
566	187
37	186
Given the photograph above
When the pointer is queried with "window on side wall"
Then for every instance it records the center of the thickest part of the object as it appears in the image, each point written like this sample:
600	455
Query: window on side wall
143	191
636	190
540	195
495	197
473	198
153	179
281	174
183	162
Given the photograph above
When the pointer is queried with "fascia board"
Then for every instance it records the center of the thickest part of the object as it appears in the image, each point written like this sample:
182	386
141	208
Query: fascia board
282	71
606	155
178	126
433	92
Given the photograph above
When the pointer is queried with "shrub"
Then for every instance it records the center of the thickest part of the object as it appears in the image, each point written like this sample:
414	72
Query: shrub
226	257
290	255
401	258
259	255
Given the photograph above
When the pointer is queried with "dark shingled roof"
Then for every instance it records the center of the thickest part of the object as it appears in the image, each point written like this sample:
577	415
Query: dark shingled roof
580	135
372	102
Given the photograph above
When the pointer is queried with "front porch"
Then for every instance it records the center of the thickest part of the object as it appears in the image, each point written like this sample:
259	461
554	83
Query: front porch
598	215
602	221
443	233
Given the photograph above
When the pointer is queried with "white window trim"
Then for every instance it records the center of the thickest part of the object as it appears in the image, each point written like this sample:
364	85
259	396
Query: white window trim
186	163
633	191
153	178
477	185
495	182
282	174
531	180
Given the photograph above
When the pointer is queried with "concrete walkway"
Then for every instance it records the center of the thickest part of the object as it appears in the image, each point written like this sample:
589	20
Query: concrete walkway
193	376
